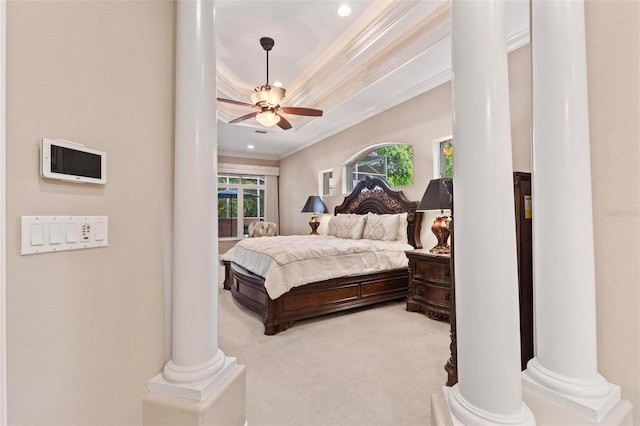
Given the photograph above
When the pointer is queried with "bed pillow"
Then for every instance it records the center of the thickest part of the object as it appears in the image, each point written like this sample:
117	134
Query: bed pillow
402	228
382	227
347	226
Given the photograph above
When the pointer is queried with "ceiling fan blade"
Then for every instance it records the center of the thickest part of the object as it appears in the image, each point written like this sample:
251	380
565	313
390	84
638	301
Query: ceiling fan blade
283	123
231	101
302	111
244	117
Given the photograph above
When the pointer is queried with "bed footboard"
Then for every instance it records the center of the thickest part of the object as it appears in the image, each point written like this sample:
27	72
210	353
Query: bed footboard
226	284
314	299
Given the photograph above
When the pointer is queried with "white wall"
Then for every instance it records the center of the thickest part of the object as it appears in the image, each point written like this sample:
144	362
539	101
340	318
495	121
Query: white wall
85	329
613	64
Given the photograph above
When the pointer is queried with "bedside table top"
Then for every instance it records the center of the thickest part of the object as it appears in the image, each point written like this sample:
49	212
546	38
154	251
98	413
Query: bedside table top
425	253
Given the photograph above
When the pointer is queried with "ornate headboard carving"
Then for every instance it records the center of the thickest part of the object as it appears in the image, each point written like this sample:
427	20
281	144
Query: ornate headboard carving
374	195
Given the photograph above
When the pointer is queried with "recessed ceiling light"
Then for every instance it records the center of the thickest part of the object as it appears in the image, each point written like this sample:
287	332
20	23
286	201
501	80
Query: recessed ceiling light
277	84
250	146
344	10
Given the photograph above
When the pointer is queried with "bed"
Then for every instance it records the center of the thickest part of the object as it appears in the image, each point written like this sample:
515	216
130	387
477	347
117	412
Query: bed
340	293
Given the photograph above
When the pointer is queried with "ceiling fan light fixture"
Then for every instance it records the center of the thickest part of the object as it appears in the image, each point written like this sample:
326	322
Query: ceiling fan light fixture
268	118
268	99
270	95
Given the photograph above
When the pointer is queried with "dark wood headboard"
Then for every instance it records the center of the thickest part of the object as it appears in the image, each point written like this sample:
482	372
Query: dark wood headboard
374	195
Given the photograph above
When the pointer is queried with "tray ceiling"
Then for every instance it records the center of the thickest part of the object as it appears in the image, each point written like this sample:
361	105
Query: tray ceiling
352	68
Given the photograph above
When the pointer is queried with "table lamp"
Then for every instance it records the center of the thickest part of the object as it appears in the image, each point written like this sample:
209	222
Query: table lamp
439	196
314	205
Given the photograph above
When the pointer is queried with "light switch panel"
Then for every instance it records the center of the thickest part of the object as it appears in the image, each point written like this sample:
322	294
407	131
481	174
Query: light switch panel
42	234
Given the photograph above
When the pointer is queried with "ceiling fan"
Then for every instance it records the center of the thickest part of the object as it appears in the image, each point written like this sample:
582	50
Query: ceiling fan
267	100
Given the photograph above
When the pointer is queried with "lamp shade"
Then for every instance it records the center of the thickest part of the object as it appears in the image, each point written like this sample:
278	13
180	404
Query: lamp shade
271	95
438	196
315	205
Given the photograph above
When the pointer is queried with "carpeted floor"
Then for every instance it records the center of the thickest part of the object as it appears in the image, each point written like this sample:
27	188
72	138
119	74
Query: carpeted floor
376	366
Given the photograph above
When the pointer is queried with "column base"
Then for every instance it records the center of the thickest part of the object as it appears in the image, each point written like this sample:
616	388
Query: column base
199	390
464	413
591	399
224	405
545	412
440	414
548	413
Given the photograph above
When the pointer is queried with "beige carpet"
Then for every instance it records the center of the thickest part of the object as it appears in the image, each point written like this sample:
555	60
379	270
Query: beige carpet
376	366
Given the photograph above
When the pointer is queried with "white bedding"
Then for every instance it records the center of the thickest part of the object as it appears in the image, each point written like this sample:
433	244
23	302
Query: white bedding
291	261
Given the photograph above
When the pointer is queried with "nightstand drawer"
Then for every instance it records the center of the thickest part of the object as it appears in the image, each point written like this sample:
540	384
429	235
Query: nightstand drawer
432	294
433	271
430	284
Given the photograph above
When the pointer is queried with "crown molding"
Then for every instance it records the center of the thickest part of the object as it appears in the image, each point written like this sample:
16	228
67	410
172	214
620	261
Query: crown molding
518	40
239	169
376	30
393	57
348	67
228	89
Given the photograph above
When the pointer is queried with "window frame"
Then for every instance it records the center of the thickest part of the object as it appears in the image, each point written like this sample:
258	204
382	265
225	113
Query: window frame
325	187
438	156
241	187
348	165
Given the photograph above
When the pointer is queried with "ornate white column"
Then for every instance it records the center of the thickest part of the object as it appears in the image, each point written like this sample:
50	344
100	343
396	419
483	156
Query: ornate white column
196	361
564	369
489	388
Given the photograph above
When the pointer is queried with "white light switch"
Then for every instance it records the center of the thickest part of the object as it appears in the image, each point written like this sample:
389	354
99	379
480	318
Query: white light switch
44	234
37	234
55	233
71	233
99	230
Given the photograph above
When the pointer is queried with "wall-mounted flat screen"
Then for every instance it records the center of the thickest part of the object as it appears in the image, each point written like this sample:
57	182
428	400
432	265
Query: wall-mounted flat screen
72	162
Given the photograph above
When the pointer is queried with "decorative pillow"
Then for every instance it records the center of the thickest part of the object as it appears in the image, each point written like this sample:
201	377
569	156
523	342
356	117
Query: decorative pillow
347	226
402	228
262	229
381	227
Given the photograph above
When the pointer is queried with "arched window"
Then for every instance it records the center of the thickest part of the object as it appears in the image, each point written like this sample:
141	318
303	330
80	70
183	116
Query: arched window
390	161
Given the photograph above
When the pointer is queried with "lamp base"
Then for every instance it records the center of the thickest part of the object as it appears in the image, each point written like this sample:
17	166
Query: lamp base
314	223
440	229
438	249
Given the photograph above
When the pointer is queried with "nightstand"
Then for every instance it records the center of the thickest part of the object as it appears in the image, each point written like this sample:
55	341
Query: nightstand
429	284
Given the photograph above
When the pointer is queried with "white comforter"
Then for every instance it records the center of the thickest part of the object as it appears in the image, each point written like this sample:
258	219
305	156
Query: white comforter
290	261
